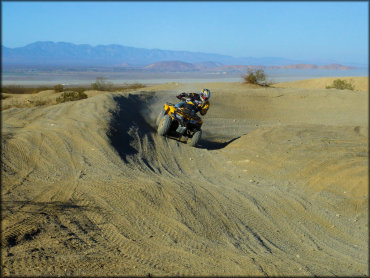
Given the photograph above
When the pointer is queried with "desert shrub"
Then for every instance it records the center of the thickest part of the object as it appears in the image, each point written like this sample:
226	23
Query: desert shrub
16	89
4	97
58	88
250	77
127	87
257	77
79	89
341	85
101	84
71	96
39	102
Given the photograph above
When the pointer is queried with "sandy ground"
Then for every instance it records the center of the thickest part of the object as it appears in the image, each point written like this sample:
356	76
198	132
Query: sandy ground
278	185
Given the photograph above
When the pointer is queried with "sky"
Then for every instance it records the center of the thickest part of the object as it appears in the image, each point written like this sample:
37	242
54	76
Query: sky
332	31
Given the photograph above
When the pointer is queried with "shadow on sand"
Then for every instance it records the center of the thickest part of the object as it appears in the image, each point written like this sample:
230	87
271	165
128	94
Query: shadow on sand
127	116
214	145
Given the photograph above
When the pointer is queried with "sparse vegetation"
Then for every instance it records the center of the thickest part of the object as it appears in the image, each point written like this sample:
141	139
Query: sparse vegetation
58	88
74	93
16	89
79	89
71	96
101	84
25	103
257	77
39	102
342	85
133	86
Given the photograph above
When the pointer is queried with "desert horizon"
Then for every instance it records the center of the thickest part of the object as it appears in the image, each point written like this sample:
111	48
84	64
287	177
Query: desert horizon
83	78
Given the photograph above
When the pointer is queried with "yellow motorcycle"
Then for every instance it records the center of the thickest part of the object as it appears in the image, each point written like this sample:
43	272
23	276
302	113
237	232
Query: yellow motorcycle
180	122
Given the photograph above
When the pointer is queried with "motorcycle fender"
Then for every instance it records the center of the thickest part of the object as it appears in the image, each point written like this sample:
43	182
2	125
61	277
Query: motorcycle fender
166	107
169	110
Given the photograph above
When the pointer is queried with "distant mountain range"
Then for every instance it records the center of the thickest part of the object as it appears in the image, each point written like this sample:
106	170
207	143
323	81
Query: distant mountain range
64	54
179	66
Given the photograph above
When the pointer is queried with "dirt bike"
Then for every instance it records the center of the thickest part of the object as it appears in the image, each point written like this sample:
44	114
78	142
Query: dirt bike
180	122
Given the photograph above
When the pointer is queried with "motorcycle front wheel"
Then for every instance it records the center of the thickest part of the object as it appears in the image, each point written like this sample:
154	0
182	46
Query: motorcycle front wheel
164	125
160	116
195	139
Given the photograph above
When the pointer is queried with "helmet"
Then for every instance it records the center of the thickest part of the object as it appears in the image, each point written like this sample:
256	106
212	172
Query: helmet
205	94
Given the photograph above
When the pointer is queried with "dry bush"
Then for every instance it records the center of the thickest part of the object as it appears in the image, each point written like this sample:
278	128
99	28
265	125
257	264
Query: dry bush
79	89
256	77
342	85
40	102
71	96
101	84
58	88
127	87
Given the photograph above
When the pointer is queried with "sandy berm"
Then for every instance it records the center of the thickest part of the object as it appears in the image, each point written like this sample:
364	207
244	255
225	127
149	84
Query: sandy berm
278	185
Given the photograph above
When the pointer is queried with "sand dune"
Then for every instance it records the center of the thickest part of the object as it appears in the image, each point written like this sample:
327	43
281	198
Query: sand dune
278	185
360	83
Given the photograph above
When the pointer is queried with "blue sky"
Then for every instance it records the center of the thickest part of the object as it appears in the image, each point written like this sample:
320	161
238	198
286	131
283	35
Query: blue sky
335	31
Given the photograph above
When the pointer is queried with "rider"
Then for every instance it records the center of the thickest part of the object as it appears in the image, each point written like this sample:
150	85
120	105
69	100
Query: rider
201	101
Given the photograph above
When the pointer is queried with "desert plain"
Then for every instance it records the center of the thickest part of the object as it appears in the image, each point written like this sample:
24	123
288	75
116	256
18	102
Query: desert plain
278	185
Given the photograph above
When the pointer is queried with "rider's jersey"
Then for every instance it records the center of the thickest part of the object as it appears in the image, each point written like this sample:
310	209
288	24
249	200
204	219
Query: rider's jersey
201	106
